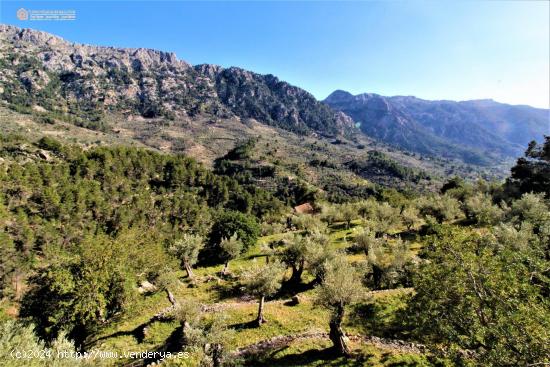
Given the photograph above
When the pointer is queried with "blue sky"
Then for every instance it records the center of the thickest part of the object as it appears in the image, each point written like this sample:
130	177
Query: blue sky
433	50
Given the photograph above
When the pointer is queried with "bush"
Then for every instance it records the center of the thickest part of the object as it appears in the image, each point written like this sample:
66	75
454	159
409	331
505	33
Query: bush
229	223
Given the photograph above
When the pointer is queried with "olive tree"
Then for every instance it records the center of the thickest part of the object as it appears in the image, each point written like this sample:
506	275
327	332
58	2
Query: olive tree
262	281
308	223
410	217
231	248
383	218
294	255
186	249
305	252
365	240
341	287
348	212
480	209
215	340
19	336
203	332
188	313
487	295
166	281
441	207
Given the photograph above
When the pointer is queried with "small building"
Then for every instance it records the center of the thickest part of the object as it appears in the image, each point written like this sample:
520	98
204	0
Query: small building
305	208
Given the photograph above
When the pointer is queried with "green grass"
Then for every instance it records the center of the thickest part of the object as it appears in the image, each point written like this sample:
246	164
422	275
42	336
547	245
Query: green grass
317	352
375	316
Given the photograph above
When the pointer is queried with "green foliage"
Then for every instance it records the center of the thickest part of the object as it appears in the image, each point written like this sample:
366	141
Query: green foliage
229	223
383	217
262	280
17	337
532	173
231	247
308	223
410	216
186	249
486	295
365	240
442	207
81	293
389	261
340	286
378	163
531	208
241	151
482	211
50	144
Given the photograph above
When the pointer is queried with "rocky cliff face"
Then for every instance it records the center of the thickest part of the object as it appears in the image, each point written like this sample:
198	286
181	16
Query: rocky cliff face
470	130
84	82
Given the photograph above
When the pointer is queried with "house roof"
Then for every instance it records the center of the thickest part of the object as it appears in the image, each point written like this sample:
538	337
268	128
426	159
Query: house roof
305	208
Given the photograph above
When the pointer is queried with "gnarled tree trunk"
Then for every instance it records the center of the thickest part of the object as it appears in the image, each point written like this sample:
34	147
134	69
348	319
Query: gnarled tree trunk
337	335
217	355
171	297
188	269
184	332
225	268
297	271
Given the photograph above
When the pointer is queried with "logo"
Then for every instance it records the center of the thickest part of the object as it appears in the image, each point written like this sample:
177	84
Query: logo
22	14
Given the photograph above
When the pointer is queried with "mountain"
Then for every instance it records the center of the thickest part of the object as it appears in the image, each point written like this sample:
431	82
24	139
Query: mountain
42	71
470	130
103	96
94	95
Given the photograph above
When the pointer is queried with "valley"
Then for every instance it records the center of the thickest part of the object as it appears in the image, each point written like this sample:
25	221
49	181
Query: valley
153	212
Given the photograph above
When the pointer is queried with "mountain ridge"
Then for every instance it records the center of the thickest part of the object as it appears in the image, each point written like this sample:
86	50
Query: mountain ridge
445	127
83	80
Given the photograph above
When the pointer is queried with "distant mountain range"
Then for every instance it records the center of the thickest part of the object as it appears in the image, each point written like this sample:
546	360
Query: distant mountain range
470	130
87	85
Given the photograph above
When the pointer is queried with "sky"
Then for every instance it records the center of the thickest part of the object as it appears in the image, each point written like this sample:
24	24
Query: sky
432	50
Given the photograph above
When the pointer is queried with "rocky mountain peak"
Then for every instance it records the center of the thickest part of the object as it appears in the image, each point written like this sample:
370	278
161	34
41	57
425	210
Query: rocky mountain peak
46	71
339	96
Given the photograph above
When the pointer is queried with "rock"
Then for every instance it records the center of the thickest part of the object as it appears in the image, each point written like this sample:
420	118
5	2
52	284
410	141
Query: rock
146	287
44	155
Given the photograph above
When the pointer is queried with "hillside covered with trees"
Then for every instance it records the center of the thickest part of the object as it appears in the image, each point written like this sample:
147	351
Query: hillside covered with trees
125	250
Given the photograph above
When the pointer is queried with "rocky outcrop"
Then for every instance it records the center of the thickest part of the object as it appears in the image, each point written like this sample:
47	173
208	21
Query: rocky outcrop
87	81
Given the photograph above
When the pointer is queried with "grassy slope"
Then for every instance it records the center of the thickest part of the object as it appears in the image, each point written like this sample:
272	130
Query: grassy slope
284	319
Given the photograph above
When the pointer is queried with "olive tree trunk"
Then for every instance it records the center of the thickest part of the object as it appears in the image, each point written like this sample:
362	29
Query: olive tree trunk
337	335
225	268
260	319
188	269
377	274
171	297
297	271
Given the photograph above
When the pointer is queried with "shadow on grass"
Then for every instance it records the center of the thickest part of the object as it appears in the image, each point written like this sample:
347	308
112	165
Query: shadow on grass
409	235
290	288
172	344
245	325
138	332
342	225
381	320
327	356
226	289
